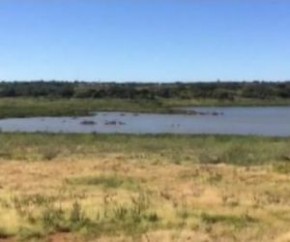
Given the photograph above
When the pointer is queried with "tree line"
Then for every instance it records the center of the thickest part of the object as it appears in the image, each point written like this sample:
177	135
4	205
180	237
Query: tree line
134	90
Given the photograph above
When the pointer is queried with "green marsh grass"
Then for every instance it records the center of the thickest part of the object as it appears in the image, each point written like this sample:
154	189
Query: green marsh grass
239	150
39	107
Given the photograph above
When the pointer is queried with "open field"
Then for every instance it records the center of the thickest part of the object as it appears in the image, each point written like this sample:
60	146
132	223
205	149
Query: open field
36	107
143	188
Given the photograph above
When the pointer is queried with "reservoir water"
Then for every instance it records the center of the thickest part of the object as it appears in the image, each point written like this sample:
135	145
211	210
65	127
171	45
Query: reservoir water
265	121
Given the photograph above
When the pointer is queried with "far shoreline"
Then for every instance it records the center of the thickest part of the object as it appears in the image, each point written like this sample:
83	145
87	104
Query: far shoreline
19	107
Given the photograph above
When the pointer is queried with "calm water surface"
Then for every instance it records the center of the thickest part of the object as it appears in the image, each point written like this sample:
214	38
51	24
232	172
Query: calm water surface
266	121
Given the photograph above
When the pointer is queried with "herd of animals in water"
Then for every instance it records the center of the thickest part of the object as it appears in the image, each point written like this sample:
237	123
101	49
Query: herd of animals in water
116	122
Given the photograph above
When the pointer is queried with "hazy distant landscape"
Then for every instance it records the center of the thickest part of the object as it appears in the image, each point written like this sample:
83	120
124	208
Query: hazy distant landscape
27	99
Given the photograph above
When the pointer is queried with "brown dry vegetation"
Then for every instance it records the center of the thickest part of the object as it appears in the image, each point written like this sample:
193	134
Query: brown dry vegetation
125	196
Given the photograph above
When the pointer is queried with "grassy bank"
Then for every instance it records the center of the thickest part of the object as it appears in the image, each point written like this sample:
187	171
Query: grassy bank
237	102
143	188
236	150
31	107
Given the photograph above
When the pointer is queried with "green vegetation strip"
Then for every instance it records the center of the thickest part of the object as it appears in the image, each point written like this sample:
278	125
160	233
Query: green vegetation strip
37	107
240	150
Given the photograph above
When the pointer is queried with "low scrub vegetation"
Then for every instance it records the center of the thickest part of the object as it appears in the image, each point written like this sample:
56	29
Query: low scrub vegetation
149	91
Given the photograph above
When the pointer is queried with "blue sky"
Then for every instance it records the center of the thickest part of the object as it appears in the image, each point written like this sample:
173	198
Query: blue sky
138	40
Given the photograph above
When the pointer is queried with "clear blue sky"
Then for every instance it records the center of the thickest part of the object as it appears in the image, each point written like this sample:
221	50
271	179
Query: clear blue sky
145	40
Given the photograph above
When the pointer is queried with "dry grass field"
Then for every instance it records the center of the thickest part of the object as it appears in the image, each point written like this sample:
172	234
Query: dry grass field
143	188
